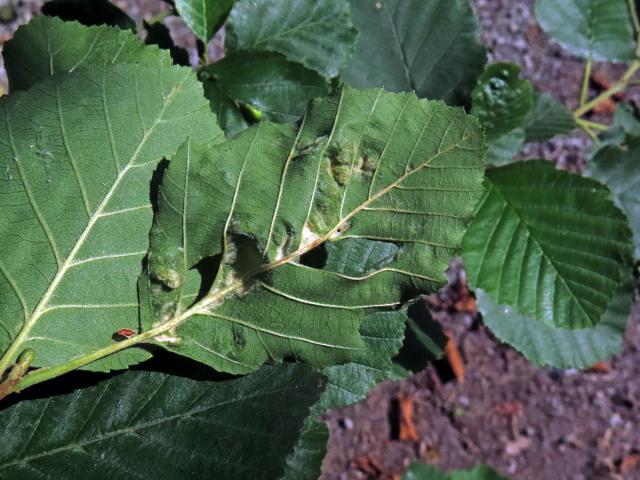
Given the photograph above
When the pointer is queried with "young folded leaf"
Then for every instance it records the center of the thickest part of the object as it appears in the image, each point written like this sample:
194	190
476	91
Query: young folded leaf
77	154
501	100
363	164
548	243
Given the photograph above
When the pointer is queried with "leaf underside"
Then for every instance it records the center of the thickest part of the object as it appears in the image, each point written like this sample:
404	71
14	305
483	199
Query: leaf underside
368	164
548	243
80	197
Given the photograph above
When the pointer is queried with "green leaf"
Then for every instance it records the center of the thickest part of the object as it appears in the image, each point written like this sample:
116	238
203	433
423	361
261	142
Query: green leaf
618	168
501	100
548	243
42	48
503	150
559	347
592	29
316	33
423	471
624	129
161	426
368	164
359	256
431	47
80	197
625	119
278	88
203	17
547	118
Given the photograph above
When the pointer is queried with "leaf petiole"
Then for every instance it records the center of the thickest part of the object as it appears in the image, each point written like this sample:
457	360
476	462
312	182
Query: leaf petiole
618	87
584	93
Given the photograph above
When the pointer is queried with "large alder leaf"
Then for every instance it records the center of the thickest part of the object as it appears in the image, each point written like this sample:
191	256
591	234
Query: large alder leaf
592	29
431	47
618	168
204	17
548	243
161	426
363	164
44	48
76	206
560	347
316	33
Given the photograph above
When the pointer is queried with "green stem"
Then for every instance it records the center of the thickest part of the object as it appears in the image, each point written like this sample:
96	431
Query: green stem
42	374
593	125
590	133
587	128
206	59
610	92
584	93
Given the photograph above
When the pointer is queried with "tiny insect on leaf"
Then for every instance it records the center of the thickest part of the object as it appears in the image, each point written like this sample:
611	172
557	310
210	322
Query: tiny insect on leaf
124	333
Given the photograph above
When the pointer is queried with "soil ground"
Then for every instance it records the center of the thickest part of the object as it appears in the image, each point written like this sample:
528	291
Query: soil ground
529	423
